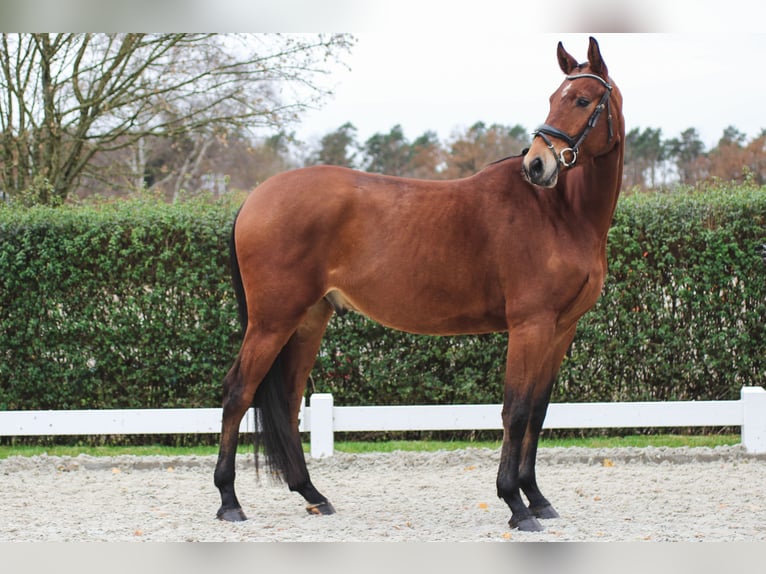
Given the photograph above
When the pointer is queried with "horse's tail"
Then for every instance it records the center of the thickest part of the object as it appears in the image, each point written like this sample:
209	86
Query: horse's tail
281	443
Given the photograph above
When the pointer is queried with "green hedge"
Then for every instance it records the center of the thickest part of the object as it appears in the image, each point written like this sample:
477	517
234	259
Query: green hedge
130	305
683	313
121	306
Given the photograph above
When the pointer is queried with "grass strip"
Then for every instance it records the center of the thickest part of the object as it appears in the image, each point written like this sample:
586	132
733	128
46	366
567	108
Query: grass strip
665	440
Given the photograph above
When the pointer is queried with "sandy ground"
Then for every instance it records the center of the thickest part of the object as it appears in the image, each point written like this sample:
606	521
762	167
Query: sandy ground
686	494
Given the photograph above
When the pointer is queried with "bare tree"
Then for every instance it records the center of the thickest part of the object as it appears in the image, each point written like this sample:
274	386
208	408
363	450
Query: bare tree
66	98
479	145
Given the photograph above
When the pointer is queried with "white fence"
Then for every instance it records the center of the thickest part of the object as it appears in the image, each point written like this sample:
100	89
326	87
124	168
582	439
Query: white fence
322	419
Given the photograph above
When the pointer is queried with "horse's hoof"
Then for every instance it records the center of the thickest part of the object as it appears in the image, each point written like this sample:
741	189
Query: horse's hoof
546	511
527	524
321	508
231	514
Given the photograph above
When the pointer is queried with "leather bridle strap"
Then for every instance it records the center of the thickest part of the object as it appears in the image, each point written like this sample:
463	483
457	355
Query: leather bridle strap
574	143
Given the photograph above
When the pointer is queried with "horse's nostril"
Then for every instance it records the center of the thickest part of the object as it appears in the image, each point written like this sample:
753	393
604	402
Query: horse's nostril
536	167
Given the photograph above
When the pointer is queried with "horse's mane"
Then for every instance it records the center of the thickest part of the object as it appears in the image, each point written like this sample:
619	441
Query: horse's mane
514	156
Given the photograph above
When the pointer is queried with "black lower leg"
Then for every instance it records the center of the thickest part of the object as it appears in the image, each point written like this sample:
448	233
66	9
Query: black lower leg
224	475
538	504
230	509
521	516
301	483
508	480
317	503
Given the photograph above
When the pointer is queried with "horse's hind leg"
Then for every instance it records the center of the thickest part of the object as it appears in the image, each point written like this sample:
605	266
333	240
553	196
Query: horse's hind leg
298	357
240	384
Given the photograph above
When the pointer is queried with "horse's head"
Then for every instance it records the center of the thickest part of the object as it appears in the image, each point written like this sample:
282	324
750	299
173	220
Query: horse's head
582	121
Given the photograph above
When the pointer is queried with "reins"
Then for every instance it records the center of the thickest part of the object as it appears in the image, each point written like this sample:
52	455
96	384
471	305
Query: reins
574	143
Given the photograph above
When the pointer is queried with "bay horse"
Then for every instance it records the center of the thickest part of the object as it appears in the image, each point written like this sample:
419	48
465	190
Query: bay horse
519	247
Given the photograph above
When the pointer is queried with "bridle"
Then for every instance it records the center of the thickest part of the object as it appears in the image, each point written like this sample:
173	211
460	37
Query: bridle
574	142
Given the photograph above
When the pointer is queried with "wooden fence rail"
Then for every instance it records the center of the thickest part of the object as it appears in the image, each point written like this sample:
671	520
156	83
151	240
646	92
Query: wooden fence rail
321	419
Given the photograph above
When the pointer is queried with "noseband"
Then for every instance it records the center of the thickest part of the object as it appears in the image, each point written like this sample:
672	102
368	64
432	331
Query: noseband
574	142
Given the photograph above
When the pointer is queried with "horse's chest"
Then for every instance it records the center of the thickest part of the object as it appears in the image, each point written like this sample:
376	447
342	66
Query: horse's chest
570	279
583	297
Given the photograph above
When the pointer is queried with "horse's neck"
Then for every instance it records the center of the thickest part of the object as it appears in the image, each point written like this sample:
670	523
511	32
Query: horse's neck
595	198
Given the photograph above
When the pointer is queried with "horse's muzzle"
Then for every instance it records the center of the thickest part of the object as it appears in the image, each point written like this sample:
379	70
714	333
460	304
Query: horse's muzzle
540	172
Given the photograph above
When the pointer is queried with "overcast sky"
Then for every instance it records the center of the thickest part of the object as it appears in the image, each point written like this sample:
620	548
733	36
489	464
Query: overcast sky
441	66
440	81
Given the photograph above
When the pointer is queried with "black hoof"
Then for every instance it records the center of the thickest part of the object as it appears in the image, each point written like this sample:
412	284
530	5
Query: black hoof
231	514
527	524
546	511
321	508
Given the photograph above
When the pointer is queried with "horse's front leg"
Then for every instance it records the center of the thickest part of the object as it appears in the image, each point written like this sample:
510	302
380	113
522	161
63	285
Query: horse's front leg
528	383
515	420
538	504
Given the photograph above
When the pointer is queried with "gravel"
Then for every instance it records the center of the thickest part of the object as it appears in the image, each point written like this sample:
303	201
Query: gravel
625	494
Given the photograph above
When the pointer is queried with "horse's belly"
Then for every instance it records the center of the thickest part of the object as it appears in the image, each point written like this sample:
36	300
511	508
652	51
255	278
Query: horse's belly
422	316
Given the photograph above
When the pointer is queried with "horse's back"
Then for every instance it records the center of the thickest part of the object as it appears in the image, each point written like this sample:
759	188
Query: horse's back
303	203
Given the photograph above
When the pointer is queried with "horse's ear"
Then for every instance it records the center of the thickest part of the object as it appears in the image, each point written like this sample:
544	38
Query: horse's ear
566	62
597	65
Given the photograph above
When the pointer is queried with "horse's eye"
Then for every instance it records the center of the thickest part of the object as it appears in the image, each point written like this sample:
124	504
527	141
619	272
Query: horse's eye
583	102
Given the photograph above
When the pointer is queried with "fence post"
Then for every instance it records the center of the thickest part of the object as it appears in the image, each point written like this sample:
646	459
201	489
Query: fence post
321	434
754	419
